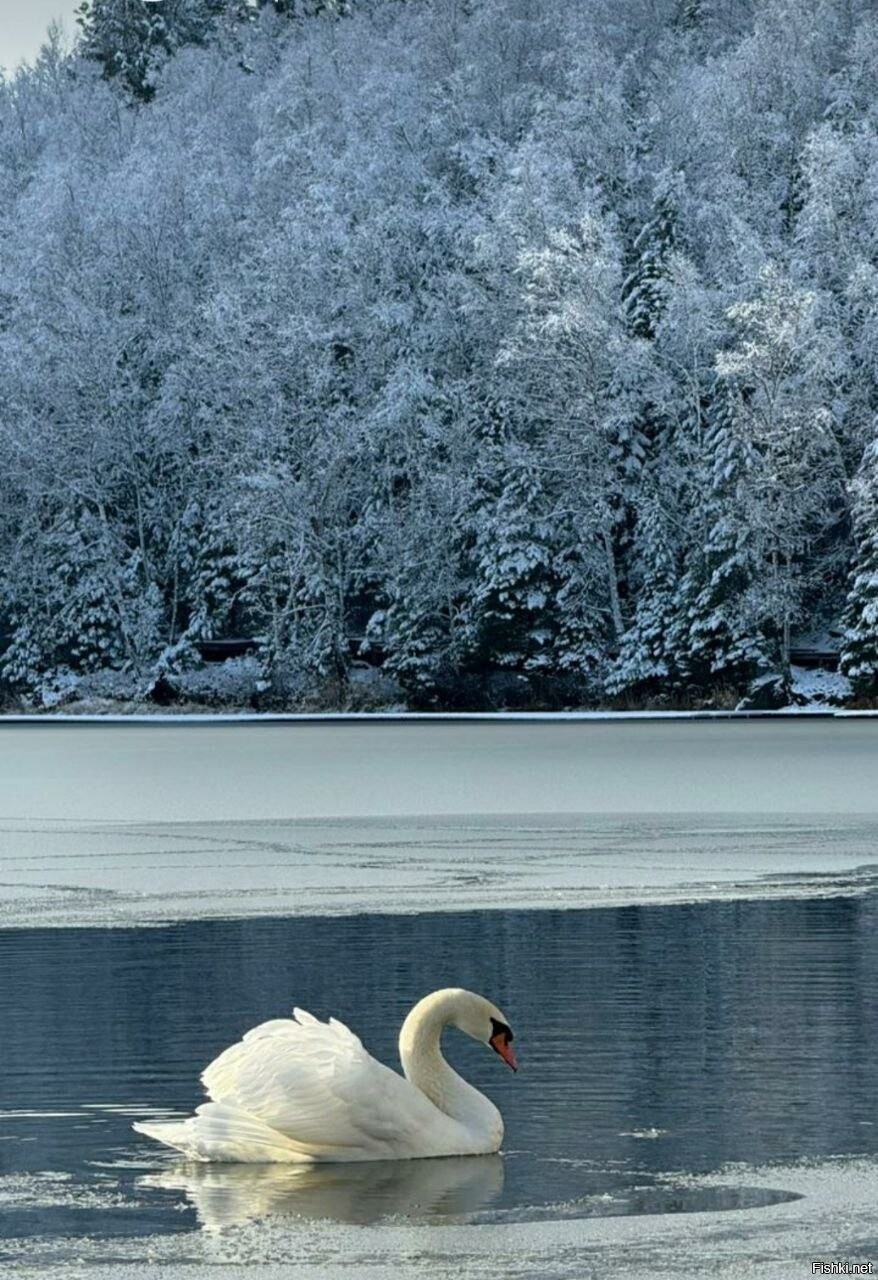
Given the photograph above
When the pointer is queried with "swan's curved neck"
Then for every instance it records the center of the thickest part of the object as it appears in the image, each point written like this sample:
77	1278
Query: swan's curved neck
420	1051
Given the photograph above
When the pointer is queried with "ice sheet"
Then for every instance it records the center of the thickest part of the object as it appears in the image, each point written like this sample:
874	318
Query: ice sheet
833	1220
85	874
137	824
377	768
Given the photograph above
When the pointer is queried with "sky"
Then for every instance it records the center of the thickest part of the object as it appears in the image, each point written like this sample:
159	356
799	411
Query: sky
23	26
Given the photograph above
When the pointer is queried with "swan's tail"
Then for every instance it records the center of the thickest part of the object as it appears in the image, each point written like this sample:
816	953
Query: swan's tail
223	1133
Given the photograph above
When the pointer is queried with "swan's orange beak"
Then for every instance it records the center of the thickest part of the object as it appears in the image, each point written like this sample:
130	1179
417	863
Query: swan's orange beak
500	1044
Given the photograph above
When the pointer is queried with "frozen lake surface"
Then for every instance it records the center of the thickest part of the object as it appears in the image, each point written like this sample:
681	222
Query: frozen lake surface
87	874
658	1046
245	771
143	824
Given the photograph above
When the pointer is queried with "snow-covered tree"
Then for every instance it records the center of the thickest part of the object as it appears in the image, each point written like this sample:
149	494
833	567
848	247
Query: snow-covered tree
716	641
325	321
81	602
785	366
132	39
514	585
649	656
859	657
644	292
580	371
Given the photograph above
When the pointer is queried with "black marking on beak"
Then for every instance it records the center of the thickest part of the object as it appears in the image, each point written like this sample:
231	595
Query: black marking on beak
500	1029
500	1040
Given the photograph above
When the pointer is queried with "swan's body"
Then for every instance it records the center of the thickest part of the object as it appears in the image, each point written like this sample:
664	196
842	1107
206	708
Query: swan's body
300	1090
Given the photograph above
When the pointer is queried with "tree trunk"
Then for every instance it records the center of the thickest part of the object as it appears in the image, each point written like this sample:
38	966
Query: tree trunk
613	581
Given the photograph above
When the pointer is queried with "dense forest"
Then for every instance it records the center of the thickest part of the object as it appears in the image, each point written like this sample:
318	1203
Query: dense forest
518	352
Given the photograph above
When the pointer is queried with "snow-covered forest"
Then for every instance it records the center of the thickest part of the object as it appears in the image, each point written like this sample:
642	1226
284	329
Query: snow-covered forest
523	350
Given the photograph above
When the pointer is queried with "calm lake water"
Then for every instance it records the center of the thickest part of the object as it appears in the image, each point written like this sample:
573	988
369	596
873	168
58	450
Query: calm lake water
652	1041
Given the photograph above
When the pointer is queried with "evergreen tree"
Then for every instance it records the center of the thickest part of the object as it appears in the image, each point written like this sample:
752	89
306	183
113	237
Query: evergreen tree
649	660
86	605
131	39
689	15
128	39
859	656
641	435
513	580
423	623
644	290
310	8
717	639
642	445
207	576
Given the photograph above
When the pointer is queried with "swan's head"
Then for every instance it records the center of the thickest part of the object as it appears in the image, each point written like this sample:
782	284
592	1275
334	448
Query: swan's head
477	1017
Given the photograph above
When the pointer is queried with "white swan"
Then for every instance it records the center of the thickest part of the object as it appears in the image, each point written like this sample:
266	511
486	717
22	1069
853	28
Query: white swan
300	1090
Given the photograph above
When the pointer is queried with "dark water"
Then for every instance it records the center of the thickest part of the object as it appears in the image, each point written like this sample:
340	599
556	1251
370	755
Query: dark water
651	1041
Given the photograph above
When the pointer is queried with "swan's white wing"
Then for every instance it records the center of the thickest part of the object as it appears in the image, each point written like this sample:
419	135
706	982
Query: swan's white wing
314	1082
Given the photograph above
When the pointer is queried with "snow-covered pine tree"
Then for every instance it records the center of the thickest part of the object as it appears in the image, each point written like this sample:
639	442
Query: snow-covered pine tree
644	290
128	39
859	656
720	646
586	632
689	15
310	8
206	577
648	662
512	553
641	439
641	432
421	622
80	602
131	39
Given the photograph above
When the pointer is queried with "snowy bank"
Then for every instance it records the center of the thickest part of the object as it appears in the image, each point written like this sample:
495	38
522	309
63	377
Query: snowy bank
450	717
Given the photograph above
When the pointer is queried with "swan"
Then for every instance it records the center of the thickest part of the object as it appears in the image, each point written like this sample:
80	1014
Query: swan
298	1090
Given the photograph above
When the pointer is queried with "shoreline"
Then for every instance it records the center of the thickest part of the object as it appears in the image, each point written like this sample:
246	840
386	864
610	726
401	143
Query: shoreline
401	717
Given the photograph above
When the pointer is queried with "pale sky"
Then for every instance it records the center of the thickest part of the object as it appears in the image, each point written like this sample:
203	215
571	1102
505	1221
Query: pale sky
23	26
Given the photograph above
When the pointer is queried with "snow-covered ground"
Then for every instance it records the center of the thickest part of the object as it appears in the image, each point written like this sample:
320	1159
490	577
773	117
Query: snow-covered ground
833	1220
819	688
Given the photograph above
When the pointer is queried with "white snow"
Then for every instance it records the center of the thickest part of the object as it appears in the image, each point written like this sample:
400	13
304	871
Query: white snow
449	717
821	689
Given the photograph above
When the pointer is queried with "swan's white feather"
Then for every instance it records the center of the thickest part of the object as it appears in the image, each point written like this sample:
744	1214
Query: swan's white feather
298	1089
312	1082
220	1133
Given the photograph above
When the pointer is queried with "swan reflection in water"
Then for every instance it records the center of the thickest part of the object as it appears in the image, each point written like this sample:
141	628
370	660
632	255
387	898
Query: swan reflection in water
226	1195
